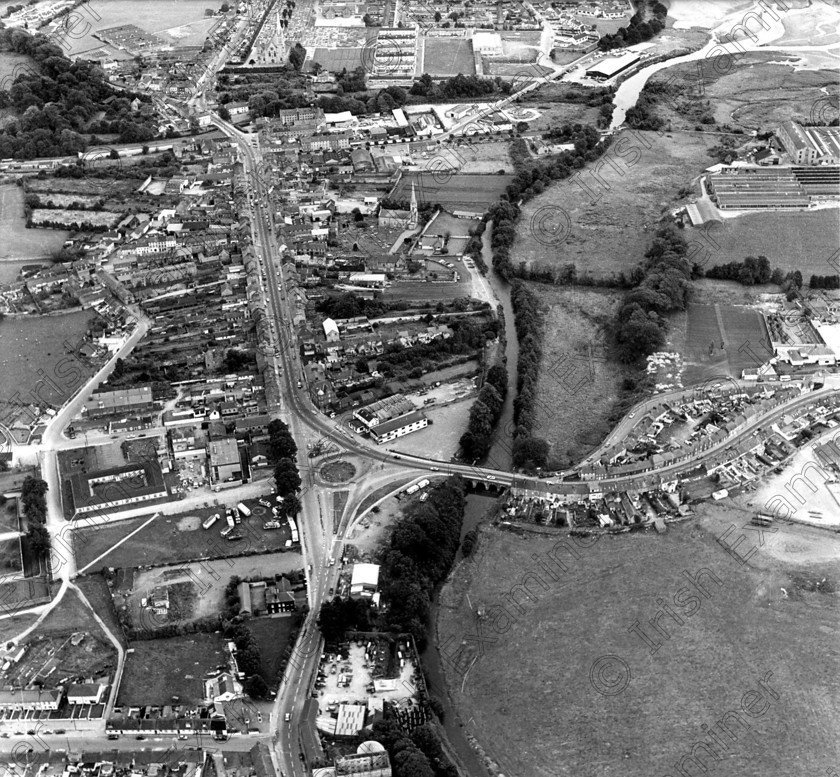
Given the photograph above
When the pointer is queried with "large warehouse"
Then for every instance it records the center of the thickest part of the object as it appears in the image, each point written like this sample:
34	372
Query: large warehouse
612	66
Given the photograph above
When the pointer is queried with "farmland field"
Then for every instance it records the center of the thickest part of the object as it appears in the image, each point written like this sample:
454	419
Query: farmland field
563	687
578	384
723	340
172	538
456	192
18	241
803	241
159	669
612	208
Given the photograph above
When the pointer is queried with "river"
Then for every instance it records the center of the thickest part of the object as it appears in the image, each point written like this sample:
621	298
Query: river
500	452
477	508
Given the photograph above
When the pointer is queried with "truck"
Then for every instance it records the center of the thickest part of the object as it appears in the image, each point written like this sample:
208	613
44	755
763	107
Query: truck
210	521
272	525
244	511
226	531
230	521
412	489
423	483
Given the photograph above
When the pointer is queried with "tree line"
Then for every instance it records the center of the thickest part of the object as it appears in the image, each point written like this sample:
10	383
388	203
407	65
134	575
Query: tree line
282	451
485	412
529	452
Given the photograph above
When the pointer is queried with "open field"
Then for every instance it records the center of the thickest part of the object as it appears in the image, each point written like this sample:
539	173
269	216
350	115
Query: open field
756	91
159	669
578	384
18	241
585	696
802	240
173	538
272	635
723	340
612	208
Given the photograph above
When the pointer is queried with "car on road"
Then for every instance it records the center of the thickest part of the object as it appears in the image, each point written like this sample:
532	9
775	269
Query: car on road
491	477
435	469
288	716
139	736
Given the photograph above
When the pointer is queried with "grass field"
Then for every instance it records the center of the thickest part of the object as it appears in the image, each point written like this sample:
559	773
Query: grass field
272	635
170	539
448	57
159	669
578	384
723	340
558	653
613	206
18	241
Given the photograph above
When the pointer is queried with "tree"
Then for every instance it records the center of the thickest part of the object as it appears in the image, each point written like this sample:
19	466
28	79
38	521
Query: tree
291	505
224	113
286	477
255	687
39	538
297	56
469	542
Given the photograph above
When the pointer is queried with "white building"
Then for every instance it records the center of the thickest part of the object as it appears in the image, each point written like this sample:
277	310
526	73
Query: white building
364	581
331	330
399	427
